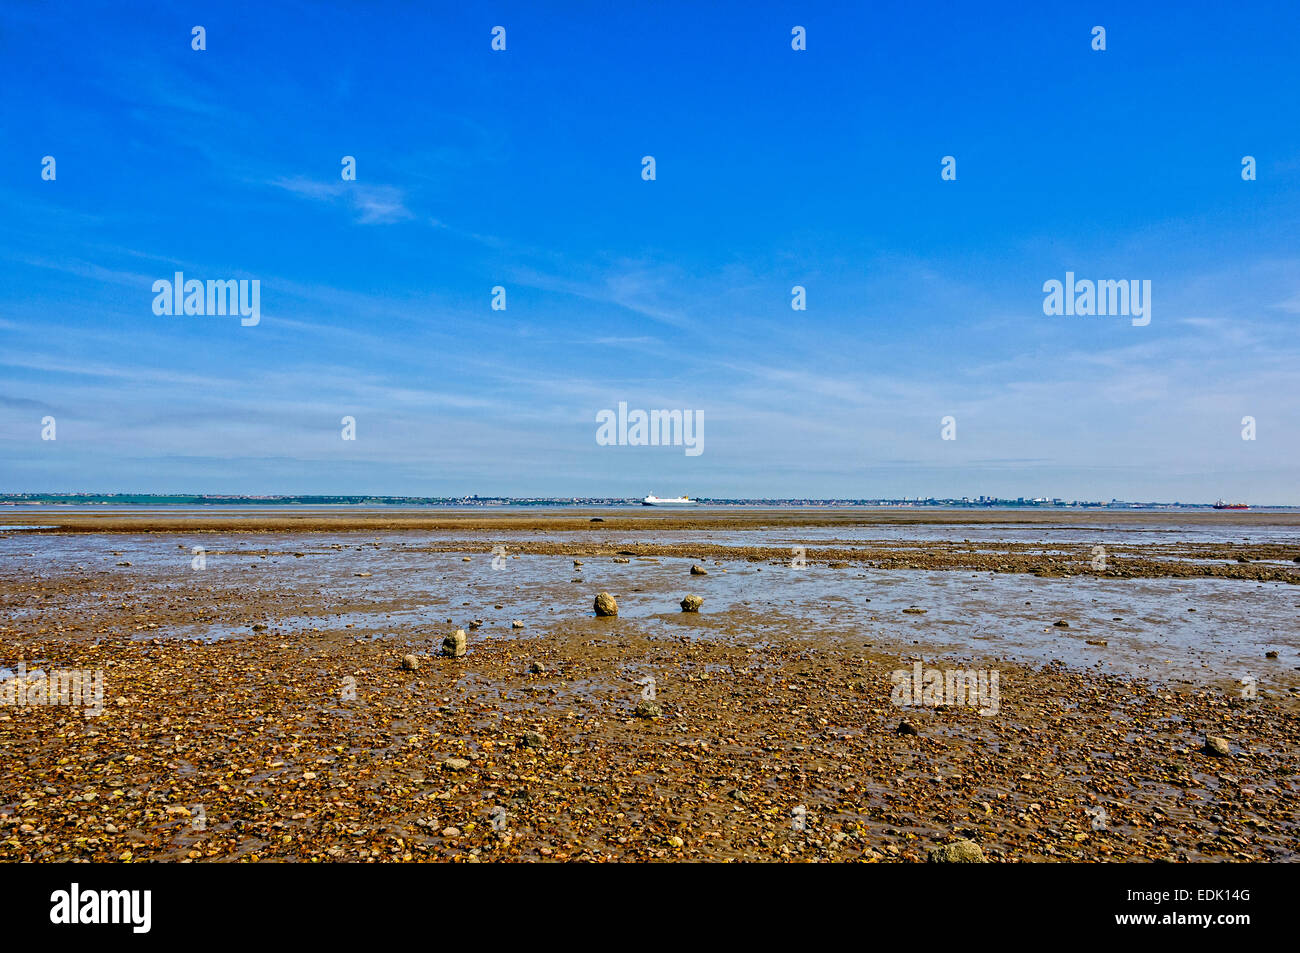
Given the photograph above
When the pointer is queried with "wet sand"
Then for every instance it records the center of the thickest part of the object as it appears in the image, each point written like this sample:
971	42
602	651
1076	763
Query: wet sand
265	693
572	519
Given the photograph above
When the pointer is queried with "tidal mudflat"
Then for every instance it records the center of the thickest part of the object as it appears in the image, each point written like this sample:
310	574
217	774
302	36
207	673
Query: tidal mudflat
258	703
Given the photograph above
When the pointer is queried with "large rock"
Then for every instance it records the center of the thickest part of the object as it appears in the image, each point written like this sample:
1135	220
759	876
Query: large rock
961	852
453	645
605	604
1218	747
698	570
410	663
692	604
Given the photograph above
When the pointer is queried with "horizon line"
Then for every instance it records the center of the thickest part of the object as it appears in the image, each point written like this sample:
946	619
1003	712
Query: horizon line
982	500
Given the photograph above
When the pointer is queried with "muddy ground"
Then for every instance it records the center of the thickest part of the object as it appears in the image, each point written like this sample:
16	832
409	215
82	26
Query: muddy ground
768	739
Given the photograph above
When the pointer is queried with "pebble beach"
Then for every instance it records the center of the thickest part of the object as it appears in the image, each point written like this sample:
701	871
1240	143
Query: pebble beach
417	687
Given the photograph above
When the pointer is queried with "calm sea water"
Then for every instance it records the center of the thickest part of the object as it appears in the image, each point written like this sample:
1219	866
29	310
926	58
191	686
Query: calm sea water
1193	630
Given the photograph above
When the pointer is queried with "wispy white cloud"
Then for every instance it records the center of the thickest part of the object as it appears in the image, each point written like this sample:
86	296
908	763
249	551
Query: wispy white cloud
371	204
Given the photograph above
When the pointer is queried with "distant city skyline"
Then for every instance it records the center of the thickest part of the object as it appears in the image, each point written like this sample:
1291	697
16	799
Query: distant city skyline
487	177
475	499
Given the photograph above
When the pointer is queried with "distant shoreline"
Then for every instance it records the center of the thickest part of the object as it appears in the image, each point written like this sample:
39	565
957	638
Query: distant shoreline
163	500
588	519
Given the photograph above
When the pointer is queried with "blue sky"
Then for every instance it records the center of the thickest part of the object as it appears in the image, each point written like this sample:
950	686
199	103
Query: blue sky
775	168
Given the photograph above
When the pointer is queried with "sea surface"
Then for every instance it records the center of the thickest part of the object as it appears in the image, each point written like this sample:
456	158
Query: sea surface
1201	630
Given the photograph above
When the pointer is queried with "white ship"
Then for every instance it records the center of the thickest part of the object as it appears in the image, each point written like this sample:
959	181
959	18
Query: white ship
653	500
